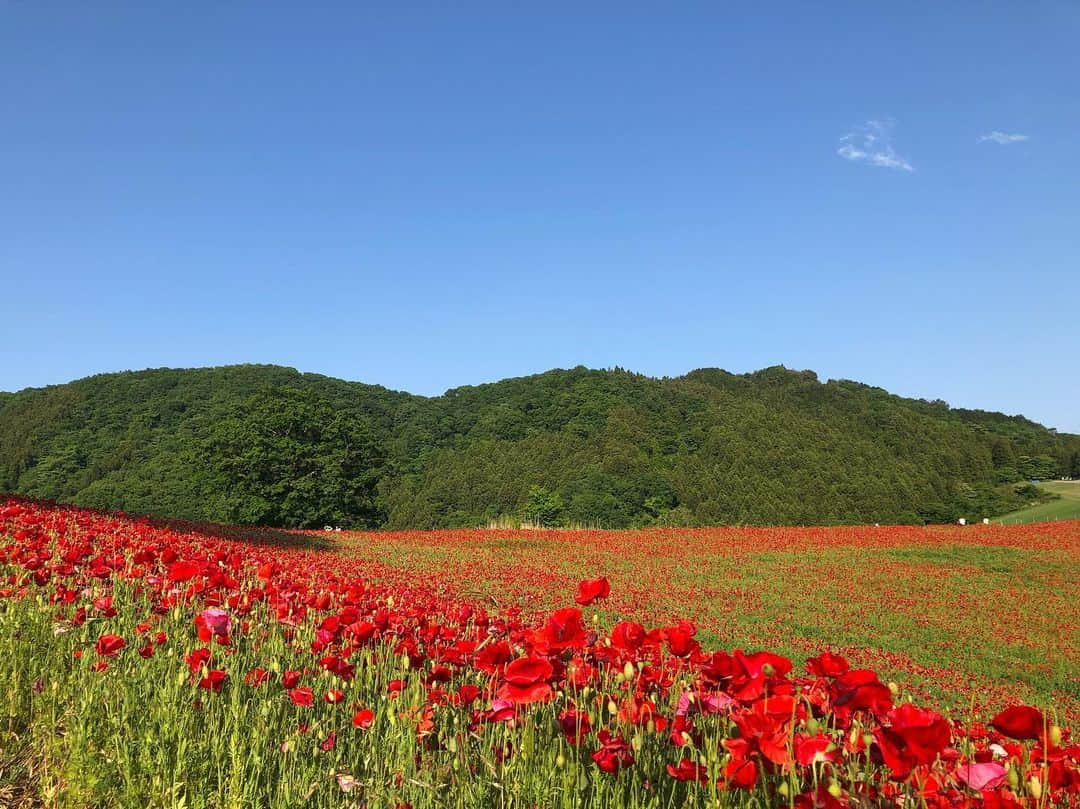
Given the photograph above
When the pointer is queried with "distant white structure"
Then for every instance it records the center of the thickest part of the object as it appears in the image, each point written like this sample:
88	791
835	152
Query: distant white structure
986	520
962	521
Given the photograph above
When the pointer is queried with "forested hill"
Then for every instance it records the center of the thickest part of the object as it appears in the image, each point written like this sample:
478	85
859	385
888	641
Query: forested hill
264	444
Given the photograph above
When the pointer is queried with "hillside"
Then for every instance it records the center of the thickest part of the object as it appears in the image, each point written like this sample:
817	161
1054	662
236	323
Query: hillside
264	444
1064	505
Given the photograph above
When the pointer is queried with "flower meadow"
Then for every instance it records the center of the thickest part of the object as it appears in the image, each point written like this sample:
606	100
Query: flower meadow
153	665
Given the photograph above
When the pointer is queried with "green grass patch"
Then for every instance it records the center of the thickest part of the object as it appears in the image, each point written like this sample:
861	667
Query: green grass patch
1066	506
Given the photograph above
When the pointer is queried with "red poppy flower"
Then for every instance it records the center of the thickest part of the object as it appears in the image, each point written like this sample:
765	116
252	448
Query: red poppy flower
364	718
493	656
590	590
197	658
256	677
467	695
563	630
614	753
184	571
109	645
860	690
214	680
627	636
687	770
574	725
1020	722
290	679
304	697
813	749
827	664
526	680
681	642
925	733
765	732
740	772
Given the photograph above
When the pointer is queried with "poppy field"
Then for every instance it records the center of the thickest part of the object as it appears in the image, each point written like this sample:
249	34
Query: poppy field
154	665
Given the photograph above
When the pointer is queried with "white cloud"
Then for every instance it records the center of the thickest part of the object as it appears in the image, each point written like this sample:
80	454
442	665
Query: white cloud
1004	138
872	143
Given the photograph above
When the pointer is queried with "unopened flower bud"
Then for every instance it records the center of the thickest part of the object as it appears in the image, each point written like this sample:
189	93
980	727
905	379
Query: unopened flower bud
1035	787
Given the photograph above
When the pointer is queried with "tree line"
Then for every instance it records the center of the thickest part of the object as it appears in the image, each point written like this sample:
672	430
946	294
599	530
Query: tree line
272	446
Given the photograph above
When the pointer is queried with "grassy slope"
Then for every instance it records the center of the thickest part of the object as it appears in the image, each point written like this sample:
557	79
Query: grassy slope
1065	508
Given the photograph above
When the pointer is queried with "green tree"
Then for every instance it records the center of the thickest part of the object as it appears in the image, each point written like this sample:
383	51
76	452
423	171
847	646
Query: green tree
287	457
543	507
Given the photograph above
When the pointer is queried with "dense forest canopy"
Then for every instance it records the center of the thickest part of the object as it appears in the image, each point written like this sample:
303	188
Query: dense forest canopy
270	445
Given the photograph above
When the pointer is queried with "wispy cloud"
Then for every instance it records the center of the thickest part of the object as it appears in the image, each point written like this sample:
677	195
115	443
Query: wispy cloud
872	143
1004	138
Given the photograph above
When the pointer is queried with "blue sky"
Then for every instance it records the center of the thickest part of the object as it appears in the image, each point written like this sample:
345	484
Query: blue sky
426	197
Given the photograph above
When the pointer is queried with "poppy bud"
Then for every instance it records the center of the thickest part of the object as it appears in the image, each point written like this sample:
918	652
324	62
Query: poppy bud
628	673
1035	787
619	678
1011	776
1055	735
894	689
560	761
835	789
612	708
782	790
